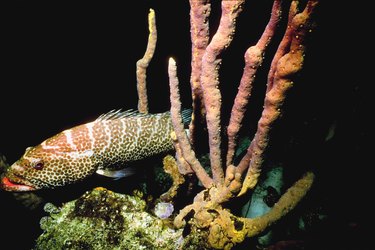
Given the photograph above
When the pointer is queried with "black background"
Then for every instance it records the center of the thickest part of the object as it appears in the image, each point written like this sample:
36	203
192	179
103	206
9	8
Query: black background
64	64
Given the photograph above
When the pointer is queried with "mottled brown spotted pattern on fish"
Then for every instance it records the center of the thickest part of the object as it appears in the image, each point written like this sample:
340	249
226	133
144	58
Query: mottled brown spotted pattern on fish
106	143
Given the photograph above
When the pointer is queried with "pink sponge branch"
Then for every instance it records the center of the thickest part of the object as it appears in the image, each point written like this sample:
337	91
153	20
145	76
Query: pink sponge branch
183	141
253	60
210	82
143	63
284	44
281	50
199	30
287	68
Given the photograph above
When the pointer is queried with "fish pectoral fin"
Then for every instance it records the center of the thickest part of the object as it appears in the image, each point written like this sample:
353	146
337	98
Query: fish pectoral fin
117	174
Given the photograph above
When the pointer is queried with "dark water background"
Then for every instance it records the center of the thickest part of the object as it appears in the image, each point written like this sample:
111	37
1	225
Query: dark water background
66	63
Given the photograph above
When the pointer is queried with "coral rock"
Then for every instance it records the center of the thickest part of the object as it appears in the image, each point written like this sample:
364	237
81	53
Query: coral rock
102	219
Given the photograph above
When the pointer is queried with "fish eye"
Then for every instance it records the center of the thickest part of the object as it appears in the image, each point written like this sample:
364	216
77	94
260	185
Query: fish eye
38	165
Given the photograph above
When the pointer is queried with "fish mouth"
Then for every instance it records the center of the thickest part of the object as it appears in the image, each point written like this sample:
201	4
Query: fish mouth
14	183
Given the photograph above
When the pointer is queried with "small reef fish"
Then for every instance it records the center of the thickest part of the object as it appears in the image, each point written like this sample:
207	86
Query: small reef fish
103	146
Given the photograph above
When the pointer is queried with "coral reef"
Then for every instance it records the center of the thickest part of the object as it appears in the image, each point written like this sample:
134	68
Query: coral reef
208	213
102	219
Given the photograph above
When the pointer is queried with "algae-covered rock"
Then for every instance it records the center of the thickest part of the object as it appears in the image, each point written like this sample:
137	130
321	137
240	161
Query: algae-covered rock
102	219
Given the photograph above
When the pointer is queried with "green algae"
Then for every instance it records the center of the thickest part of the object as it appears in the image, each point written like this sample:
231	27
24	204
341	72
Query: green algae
102	219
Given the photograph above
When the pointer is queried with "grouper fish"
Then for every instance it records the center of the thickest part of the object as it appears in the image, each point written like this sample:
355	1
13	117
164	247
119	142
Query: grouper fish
105	146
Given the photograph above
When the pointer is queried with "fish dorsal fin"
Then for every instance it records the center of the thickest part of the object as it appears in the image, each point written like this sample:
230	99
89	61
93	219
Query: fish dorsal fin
118	114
